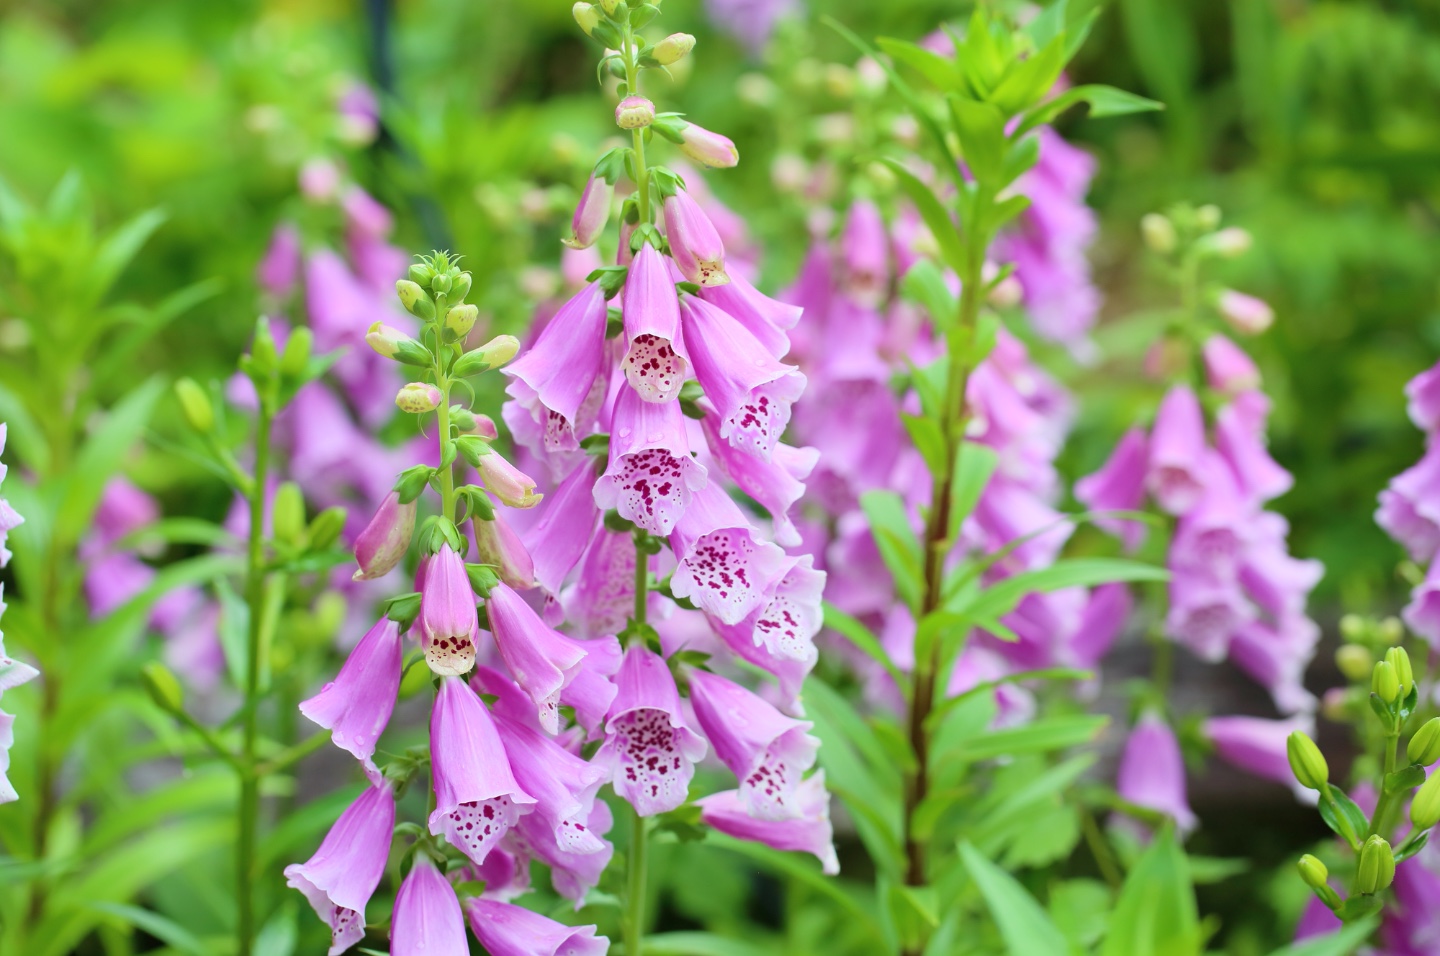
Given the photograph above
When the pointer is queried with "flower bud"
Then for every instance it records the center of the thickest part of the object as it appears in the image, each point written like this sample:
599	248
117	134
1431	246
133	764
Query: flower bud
384	339
1385	683
421	273
1307	763
493	354
634	112
610	6
1313	872
1353	628
461	319
1425	807
674	47
1354	661
288	513
1228	368
417	398
1231	242
1158	232
383	543
694	244
459	287
1245	313
591	213
1424	745
440	285
1390	630
1207	217
587	16
195	404
163	687
297	352
414	299
707	148
496	544
1376	869
325	529
1399	659
485	428
506	482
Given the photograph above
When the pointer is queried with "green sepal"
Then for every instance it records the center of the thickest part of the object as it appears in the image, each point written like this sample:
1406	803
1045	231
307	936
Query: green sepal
1353	815
612	164
402	609
614	522
611	279
472	448
671	126
412	481
1406	779
667	181
483	578
1359	907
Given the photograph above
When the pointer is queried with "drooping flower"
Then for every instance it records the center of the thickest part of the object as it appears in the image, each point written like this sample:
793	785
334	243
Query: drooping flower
725	568
427	920
750	389
768	752
1152	773
651	477
1177	448
591	213
563	785
1257	745
448	619
559	377
506	482
654	364
386	539
776	484
558	538
695	246
763	317
343	874
496	544
476	796
356	705
541	660
508	930
810	833
649	749
1119	486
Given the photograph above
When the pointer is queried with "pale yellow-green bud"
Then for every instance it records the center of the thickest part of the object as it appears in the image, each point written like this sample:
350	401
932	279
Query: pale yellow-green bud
1312	871
1158	232
288	513
1306	761
418	397
673	48
1207	217
499	350
1352	627
1385	683
195	404
587	16
1424	745
1354	661
1391	631
1425	807
1399	659
414	299
1376	869
461	319
163	687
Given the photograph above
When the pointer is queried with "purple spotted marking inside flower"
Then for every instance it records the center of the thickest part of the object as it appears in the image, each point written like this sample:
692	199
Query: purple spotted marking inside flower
653	771
654	369
653	493
475	827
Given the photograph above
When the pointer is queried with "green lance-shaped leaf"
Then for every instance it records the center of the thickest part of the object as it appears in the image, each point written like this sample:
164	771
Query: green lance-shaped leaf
1024	925
894	536
1156	914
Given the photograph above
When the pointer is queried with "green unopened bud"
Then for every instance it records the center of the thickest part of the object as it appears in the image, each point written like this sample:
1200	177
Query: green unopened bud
1376	869
288	513
1207	217
297	352
414	299
421	273
493	354
1424	745
609	6
163	687
461	319
1397	658
1307	763
459	287
673	48
1385	683
463	419
262	349
1354	661
1391	631
440	285
195	404
1313	872
1353	628
587	15
1158	232
1425	807
325	529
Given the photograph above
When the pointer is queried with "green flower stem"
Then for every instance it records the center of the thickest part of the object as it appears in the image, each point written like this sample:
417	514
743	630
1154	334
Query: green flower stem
637	136
1378	822
258	600
633	929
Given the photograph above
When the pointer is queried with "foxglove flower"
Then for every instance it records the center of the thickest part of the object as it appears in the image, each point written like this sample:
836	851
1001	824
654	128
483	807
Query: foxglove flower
1245	313
750	389
786	624
724	567
496	544
506	482
1422	394
1228	368
865	253
279	270
427	920
1177	448
9	518
558	539
695	246
809	833
775	484
648	748
1276	654
563	785
1257	746
559	378
343	874
356	705
1205	612
448	620
1152	772
708	148
604	593
508	930
1410	507
1239	437
541	660
768	752
386	539
651	476
654	363
591	213
1119	486
476	796
763	317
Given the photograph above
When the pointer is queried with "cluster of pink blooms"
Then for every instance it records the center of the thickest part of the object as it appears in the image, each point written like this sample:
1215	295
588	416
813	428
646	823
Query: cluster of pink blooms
13	673
857	336
1410	507
1235	592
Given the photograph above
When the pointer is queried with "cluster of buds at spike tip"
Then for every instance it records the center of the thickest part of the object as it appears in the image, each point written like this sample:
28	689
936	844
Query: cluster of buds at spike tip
1385	683
1375	870
1307	763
